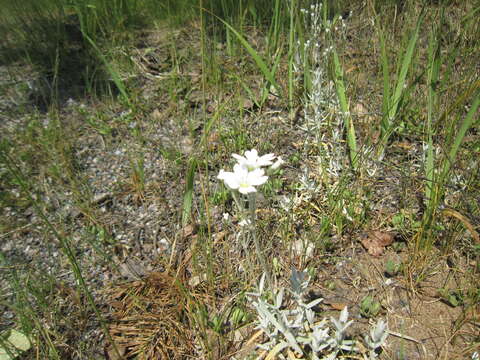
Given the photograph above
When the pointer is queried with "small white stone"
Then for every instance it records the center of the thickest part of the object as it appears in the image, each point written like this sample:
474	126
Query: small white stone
389	282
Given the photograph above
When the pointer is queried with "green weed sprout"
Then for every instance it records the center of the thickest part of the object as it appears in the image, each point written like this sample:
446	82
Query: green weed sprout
369	307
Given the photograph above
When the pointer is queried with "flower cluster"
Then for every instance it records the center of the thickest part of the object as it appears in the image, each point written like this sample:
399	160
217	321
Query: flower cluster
247	172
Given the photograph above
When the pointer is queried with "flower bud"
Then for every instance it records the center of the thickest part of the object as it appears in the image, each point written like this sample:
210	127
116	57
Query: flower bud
277	163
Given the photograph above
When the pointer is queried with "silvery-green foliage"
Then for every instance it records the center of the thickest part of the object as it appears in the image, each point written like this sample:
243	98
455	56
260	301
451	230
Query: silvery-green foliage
273	321
299	282
324	121
297	328
341	324
378	335
319	338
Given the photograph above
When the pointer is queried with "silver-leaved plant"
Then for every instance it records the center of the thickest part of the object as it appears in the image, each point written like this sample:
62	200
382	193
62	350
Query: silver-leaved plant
297	328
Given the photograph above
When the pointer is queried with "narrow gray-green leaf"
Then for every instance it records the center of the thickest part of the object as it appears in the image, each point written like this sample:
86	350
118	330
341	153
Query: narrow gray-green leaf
406	61
114	74
269	75
467	123
188	195
344	107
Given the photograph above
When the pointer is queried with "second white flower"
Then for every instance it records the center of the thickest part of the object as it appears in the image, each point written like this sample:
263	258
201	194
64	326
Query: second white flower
243	180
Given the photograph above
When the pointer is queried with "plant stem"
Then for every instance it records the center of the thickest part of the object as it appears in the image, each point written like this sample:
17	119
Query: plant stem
252	205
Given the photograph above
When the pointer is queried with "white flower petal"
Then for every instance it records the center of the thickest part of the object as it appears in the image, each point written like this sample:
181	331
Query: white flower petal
221	174
265	160
244	222
277	163
257	180
251	155
240	170
247	189
252	161
239	157
230	179
257	172
232	183
247	172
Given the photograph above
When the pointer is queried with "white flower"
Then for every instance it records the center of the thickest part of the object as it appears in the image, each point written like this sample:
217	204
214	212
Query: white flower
243	180
244	222
277	163
252	161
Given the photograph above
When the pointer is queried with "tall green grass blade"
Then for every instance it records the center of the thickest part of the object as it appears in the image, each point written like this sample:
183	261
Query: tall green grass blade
211	121
395	98
265	91
423	239
466	125
114	74
247	89
291	53
267	88
386	83
274	32
188	195
229	43
406	61
434	62
471	15
460	100
345	108
268	74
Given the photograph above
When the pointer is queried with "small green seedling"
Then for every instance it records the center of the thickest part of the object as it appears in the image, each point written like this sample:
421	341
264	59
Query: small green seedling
369	307
277	267
451	297
237	317
220	196
398	246
217	324
330	285
392	268
312	272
